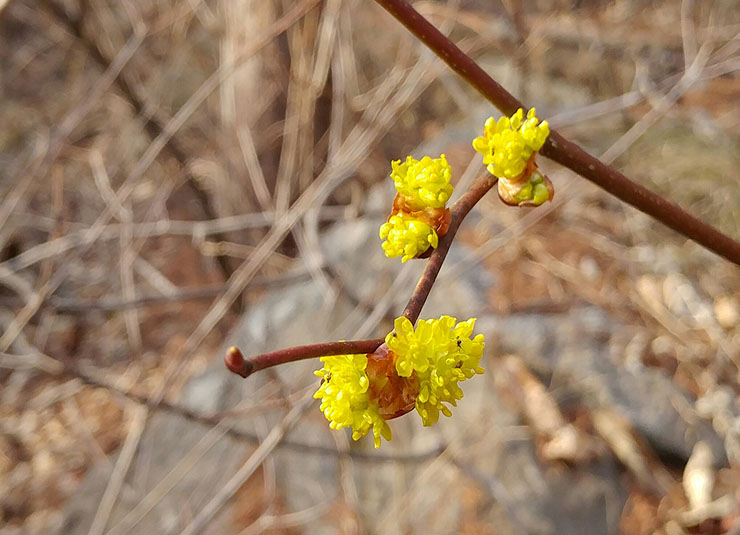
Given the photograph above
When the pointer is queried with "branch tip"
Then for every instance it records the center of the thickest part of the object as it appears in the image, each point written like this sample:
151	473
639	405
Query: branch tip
236	363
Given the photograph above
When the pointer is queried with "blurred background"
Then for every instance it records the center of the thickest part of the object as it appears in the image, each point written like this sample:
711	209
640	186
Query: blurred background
180	176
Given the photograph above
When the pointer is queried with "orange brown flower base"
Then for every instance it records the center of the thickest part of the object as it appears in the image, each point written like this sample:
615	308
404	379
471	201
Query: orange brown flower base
394	395
437	218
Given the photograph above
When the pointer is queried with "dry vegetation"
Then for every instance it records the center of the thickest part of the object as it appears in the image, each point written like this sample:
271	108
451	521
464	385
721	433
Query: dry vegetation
165	164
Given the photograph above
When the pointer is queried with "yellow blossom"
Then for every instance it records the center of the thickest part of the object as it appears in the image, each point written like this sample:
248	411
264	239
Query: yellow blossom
345	398
407	236
508	144
416	369
423	183
440	353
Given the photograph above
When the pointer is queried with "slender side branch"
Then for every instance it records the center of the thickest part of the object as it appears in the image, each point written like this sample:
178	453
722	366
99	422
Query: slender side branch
458	212
239	365
559	148
236	362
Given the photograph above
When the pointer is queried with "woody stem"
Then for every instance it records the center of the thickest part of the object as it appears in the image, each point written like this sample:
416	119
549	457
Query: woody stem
236	362
458	212
559	148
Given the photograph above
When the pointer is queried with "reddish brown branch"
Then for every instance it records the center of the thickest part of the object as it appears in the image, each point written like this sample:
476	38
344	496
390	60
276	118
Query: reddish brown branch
458	212
560	149
236	362
557	148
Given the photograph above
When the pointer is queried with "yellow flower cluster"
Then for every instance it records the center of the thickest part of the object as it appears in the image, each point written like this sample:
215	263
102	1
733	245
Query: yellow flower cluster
406	236
423	183
441	354
419	216
421	368
508	144
345	398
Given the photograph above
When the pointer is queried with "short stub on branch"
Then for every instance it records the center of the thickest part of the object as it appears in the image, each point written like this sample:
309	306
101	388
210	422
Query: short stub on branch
236	363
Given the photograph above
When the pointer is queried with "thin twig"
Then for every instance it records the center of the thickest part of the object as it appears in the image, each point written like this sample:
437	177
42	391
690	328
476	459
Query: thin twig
119	472
212	420
73	305
236	362
227	491
351	153
153	124
128	186
271	522
559	148
70	121
197	230
458	212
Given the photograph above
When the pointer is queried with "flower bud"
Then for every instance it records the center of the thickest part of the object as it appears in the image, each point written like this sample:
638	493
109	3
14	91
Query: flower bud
509	147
